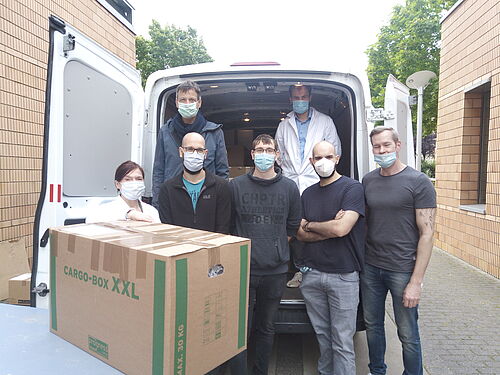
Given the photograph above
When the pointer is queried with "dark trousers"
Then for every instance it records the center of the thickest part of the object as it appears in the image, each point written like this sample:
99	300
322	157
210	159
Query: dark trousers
265	294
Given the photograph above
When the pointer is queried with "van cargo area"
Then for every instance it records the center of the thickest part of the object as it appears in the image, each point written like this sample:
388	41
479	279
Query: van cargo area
249	108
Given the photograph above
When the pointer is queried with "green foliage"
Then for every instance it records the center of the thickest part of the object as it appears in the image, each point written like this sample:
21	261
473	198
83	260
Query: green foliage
410	43
428	167
168	47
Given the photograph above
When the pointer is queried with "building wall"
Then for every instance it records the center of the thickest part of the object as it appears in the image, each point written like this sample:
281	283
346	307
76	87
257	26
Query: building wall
470	56
23	58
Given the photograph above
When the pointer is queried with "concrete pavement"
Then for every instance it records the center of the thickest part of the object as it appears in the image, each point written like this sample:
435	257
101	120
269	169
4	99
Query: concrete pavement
459	326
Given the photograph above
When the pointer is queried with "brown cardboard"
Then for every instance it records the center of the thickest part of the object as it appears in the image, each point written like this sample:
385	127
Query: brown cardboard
139	296
245	138
13	262
230	137
238	171
19	289
236	155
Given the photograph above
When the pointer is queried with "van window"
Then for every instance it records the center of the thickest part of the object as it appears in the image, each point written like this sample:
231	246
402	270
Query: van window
97	131
248	108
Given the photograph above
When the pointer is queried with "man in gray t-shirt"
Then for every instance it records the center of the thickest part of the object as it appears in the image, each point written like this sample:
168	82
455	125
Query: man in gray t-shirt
400	212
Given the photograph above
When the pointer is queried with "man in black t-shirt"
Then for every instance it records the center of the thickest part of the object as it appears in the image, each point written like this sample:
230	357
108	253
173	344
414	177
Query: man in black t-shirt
333	230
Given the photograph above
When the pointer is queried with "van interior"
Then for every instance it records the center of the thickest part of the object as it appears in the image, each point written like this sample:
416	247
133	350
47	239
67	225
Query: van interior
249	108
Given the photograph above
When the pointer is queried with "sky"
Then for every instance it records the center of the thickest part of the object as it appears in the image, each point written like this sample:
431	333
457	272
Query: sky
322	34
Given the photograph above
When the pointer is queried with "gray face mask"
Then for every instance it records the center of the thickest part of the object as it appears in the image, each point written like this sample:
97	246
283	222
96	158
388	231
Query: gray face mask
193	162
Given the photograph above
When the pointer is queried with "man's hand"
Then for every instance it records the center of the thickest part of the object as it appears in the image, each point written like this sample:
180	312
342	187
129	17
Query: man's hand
339	215
139	216
411	295
303	224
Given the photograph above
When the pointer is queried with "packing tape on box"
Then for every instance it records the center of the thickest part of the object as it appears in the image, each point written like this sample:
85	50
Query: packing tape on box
213	256
116	260
94	256
140	264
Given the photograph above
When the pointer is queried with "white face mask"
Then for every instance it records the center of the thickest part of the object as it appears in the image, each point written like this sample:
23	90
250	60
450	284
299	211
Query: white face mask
132	190
193	161
324	167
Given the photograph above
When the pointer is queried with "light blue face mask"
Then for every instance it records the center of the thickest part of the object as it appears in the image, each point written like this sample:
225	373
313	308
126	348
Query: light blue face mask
188	110
385	160
264	161
300	106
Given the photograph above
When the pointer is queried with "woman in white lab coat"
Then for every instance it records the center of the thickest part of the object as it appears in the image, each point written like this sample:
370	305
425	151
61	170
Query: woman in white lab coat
129	181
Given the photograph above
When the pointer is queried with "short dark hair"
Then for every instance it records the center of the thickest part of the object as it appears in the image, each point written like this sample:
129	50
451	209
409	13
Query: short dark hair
292	87
125	168
379	129
266	139
186	86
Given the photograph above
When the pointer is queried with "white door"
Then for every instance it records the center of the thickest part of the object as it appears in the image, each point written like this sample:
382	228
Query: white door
93	122
397	103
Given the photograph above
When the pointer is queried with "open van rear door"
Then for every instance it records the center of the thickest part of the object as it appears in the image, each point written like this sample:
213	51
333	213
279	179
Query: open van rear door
93	122
397	107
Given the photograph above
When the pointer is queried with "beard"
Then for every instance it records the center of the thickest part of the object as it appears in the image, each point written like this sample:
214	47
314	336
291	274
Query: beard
191	172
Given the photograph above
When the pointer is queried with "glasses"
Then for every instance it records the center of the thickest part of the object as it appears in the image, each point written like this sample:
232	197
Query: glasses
270	151
200	150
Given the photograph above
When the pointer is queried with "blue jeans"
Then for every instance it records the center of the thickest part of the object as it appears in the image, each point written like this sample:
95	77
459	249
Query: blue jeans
332	304
375	283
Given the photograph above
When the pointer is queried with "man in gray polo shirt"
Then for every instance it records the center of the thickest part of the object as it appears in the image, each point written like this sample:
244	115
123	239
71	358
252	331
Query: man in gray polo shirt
400	212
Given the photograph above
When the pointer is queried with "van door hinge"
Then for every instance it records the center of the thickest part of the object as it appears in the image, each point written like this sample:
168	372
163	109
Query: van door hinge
68	44
378	114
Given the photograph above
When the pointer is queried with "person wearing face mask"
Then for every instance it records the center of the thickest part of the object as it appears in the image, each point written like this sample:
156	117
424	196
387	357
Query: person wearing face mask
195	198
266	209
401	207
167	162
296	135
129	181
332	229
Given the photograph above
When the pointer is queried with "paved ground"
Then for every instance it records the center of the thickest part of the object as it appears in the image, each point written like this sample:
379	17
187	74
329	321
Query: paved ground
459	324
459	318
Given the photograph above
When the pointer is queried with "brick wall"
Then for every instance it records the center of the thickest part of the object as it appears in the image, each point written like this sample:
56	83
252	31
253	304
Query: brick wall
470	57
23	59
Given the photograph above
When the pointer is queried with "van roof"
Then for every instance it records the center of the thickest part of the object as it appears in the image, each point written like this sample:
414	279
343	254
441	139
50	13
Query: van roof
218	67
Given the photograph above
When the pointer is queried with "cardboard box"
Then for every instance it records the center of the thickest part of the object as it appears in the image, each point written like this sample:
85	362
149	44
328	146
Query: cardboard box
19	289
230	137
245	138
150	298
236	155
13	262
238	171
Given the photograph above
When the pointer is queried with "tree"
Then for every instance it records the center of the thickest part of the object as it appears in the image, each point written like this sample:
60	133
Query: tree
168	47
410	43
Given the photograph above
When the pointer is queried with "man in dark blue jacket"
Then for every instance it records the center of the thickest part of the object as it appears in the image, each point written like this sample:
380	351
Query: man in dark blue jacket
195	198
168	163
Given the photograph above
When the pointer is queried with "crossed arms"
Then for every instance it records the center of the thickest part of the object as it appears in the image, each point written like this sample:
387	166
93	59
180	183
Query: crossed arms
341	225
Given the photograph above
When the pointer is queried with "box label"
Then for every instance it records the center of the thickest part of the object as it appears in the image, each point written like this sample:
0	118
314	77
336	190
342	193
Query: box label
214	317
122	287
99	347
181	287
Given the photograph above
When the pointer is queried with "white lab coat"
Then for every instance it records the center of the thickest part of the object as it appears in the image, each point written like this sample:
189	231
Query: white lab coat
116	209
320	128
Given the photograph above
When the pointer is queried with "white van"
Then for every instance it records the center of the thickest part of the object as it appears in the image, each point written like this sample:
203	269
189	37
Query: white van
97	116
